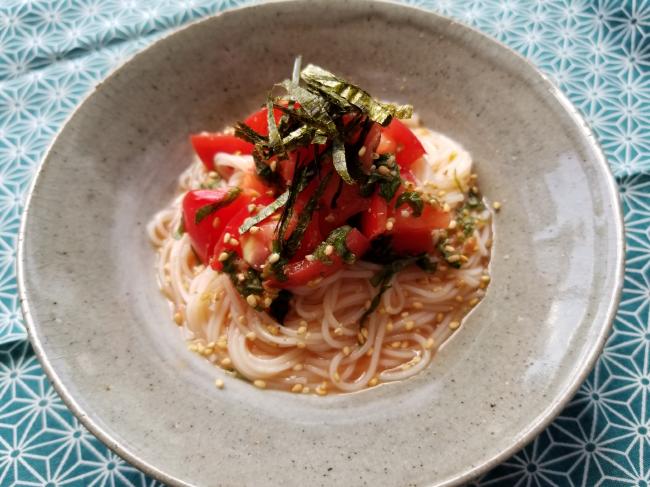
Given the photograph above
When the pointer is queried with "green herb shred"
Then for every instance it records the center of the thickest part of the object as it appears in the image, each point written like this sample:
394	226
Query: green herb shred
413	199
206	210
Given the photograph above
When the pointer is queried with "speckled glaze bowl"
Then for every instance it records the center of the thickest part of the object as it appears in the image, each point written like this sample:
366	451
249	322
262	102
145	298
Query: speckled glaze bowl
103	331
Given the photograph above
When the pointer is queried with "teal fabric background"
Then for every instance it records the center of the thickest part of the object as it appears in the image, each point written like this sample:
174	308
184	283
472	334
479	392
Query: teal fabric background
52	52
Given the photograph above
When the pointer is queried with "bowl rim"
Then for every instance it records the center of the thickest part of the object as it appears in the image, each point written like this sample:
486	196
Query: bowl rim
555	407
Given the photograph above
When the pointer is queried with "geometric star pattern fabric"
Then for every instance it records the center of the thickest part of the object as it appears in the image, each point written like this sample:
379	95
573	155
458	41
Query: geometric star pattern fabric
53	52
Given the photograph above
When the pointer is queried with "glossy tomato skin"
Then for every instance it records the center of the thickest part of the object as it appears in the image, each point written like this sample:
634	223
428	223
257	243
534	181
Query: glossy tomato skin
234	243
258	121
373	220
207	145
348	204
400	140
412	234
302	272
205	234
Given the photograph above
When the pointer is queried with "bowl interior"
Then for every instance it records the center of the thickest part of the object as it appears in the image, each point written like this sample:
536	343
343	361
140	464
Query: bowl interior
102	327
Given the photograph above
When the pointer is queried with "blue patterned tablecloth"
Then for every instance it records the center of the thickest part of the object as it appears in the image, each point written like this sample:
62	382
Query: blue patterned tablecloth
52	52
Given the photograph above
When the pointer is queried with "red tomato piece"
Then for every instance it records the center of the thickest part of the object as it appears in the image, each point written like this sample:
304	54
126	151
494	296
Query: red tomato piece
207	145
205	234
253	183
304	271
234	242
348	204
412	234
408	148
258	121
373	220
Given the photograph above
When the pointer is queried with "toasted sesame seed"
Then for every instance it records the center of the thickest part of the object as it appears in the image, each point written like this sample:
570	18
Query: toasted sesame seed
251	336
251	299
454	325
213	174
259	383
226	237
389	326
225	362
429	343
346	351
301	345
473	302
273	165
267	301
463	258
320	391
440	317
223	256
383	170
395	344
206	352
310	258
375	156
496	205
305	390
362	151
329	250
222	344
219	383
404	314
449	248
254	229
453	258
336	377
251	207
338	331
485	278
364	332
409	325
274	257
417	305
241	277
405	344
390	223
373	382
302	330
452	224
296	388
241	319
459	299
178	318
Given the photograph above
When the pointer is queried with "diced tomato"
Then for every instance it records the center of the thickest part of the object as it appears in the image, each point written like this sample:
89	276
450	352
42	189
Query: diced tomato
312	236
232	228
205	234
412	234
207	145
371	143
408	148
252	182
258	121
348	204
256	247
387	144
373	220
304	271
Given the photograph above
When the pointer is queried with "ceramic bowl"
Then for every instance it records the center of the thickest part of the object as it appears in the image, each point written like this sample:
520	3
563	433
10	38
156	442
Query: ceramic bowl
103	331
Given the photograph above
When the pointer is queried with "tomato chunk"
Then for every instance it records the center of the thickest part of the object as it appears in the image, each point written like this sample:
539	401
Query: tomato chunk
207	145
412	234
403	141
258	121
373	220
304	271
205	230
231	229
